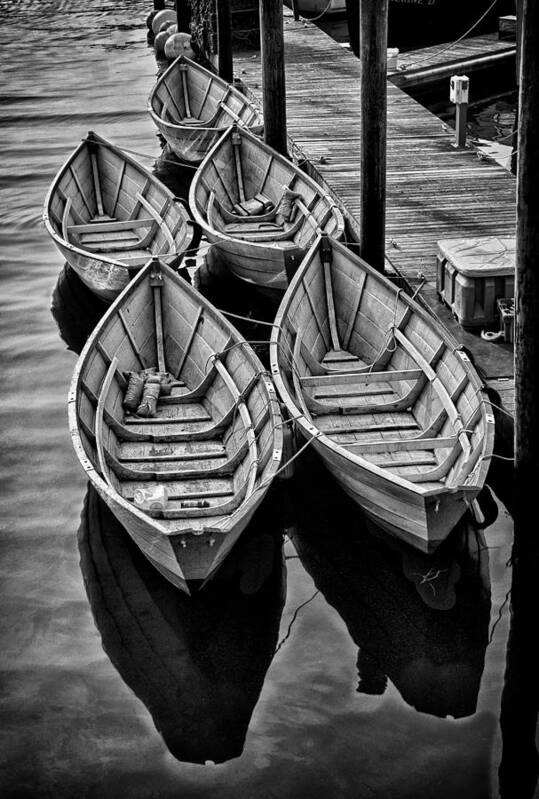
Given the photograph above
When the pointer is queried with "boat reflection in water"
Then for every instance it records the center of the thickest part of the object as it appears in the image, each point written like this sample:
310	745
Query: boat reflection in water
75	309
419	620
198	663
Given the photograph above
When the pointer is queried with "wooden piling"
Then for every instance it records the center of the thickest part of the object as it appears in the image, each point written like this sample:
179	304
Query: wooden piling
183	16
373	16
273	74
224	40
527	277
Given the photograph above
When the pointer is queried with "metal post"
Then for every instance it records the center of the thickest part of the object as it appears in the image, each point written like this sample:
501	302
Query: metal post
459	86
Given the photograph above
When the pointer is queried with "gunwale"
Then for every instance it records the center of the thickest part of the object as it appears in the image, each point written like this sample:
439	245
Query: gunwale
68	247
272	252
223	523
395	484
176	130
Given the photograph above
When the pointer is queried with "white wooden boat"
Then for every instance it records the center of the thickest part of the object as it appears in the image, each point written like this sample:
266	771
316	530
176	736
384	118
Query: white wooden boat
259	209
209	453
394	409
191	107
108	216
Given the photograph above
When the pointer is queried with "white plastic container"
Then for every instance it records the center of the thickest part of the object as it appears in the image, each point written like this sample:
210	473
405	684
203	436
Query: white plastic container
151	498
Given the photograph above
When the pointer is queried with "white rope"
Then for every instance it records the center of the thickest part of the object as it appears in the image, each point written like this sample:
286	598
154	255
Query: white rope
326	9
450	46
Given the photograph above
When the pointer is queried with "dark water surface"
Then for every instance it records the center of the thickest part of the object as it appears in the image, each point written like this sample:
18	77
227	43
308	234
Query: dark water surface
381	675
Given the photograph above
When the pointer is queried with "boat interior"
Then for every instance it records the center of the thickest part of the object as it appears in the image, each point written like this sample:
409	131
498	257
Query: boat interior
189	95
213	440
247	192
104	204
368	369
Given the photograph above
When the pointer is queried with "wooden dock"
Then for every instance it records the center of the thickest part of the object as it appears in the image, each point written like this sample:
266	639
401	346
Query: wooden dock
434	191
439	62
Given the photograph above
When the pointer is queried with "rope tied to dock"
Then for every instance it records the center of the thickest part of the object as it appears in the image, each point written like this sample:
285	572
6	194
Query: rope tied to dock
456	41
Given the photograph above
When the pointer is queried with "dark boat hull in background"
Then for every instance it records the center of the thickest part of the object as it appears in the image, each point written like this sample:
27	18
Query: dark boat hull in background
420	23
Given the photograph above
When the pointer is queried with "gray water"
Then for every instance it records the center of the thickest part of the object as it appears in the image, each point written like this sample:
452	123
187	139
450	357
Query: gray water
428	637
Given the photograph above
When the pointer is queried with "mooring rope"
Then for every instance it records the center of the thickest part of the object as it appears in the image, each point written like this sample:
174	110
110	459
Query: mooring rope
452	44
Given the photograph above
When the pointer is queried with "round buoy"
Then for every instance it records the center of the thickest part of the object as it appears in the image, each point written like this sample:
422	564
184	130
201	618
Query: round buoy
167	15
157	7
179	44
159	43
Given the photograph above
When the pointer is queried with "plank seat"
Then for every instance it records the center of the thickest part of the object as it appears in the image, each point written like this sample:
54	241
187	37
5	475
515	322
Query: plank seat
169	414
363	424
342	361
112	226
147	452
166	470
263	231
178	489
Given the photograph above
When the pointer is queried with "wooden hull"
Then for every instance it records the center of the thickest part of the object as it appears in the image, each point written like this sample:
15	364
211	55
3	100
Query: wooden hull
391	406
211	447
191	107
108	216
260	251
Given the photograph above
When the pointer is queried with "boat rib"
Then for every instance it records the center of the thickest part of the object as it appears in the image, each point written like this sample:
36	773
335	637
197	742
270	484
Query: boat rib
394	407
259	209
191	107
108	216
214	443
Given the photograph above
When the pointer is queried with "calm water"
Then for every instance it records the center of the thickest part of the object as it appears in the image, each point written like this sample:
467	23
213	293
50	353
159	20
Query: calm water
358	669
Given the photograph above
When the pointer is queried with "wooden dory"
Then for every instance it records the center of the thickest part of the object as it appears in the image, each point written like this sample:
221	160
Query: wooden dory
393	407
215	443
108	215
191	107
240	175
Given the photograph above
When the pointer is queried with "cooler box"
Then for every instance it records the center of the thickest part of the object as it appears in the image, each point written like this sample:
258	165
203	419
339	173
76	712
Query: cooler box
472	274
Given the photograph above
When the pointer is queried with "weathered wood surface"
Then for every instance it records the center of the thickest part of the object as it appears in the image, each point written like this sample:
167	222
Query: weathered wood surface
213	445
108	216
422	439
434	191
259	249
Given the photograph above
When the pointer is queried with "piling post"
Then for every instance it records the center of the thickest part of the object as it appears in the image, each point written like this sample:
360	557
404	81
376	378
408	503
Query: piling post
183	16
373	16
527	277
273	74
295	9
458	94
514	137
224	40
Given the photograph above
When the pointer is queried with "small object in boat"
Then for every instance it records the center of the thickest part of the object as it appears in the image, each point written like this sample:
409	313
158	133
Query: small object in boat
148	404
287	203
154	498
166	383
133	394
200	503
